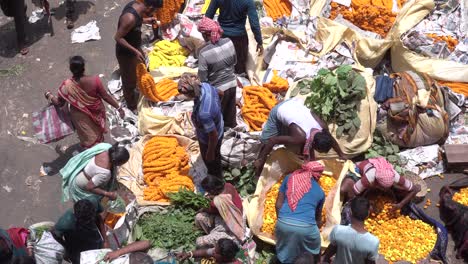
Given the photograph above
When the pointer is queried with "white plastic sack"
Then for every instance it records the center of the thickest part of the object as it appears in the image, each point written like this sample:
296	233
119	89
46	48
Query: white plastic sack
87	32
96	256
48	250
237	147
123	227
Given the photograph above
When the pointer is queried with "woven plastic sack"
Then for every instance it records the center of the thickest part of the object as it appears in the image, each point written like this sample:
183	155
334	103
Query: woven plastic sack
238	148
48	250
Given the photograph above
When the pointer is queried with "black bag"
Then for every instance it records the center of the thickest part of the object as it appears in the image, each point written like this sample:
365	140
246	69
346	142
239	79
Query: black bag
455	216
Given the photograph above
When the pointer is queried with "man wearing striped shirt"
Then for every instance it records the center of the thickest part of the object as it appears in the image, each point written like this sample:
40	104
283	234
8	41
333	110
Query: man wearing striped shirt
216	62
232	17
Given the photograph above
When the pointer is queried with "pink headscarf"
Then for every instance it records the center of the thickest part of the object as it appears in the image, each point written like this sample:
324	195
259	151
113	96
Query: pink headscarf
211	27
384	173
299	182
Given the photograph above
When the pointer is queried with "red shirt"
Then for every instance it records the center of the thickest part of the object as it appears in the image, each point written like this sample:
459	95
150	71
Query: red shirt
236	199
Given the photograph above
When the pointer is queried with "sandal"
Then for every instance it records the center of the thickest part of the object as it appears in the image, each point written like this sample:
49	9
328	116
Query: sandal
24	51
70	24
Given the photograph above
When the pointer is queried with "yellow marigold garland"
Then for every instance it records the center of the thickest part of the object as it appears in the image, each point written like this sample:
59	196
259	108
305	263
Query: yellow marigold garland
165	168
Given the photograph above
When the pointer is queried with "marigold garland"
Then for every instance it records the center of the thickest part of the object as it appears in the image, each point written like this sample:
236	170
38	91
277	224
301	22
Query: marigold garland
258	102
269	210
165	168
277	8
451	42
326	183
156	92
277	84
167	13
371	15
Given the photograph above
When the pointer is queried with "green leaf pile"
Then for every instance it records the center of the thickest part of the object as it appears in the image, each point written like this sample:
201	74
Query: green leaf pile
172	230
185	198
242	179
382	148
335	97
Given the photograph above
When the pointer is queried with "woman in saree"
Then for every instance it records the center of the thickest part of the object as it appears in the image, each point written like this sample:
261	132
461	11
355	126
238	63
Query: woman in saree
15	242
92	173
84	94
223	219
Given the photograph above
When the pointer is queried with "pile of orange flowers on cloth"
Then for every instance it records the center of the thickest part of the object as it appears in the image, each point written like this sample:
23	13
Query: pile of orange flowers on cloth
258	102
277	84
370	15
156	92
401	238
165	168
269	211
461	196
277	8
326	183
458	87
451	42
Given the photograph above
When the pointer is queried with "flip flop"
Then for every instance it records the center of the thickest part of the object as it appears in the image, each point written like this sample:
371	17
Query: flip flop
24	51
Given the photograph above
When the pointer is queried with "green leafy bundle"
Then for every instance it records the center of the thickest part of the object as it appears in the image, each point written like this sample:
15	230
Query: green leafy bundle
242	179
382	148
185	198
335	97
172	230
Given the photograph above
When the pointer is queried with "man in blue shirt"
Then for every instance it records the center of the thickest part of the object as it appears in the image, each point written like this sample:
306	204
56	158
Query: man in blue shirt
353	244
207	119
232	17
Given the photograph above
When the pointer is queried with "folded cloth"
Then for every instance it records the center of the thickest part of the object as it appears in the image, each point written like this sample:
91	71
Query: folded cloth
384	88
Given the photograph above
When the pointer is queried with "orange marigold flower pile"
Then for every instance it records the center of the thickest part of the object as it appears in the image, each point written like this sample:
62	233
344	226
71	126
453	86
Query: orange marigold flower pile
277	84
269	211
165	168
451	42
156	92
371	15
258	102
277	8
401	238
461	196
326	183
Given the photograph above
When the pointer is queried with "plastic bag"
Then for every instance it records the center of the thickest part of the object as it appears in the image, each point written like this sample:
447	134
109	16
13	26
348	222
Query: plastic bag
238	148
48	250
51	123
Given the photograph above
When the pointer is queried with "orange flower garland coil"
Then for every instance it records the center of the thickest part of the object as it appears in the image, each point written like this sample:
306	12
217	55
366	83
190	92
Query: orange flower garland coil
165	168
277	84
258	102
451	42
401	238
458	87
277	8
371	15
156	92
167	13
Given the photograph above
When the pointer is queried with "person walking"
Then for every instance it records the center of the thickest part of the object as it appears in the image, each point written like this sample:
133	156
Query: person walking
84	94
216	62
207	119
352	244
128	44
17	10
232	18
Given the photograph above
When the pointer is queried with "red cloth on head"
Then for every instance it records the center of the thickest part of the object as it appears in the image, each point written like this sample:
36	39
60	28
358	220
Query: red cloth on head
384	173
207	25
18	236
299	182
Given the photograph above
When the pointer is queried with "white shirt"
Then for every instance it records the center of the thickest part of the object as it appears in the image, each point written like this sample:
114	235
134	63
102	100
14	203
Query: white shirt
294	111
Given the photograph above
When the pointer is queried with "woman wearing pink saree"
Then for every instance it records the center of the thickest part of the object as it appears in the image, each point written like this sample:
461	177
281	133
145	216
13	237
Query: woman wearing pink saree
84	94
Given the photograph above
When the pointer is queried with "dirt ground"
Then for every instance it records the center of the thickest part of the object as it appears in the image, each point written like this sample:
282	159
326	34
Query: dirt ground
26	197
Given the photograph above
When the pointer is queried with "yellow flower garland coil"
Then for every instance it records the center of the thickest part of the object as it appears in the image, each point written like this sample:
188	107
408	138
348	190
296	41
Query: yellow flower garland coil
258	102
167	53
461	196
165	168
401	238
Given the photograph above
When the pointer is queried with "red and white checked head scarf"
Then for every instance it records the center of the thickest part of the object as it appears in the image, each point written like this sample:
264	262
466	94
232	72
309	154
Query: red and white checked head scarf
207	25
299	182
384	173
